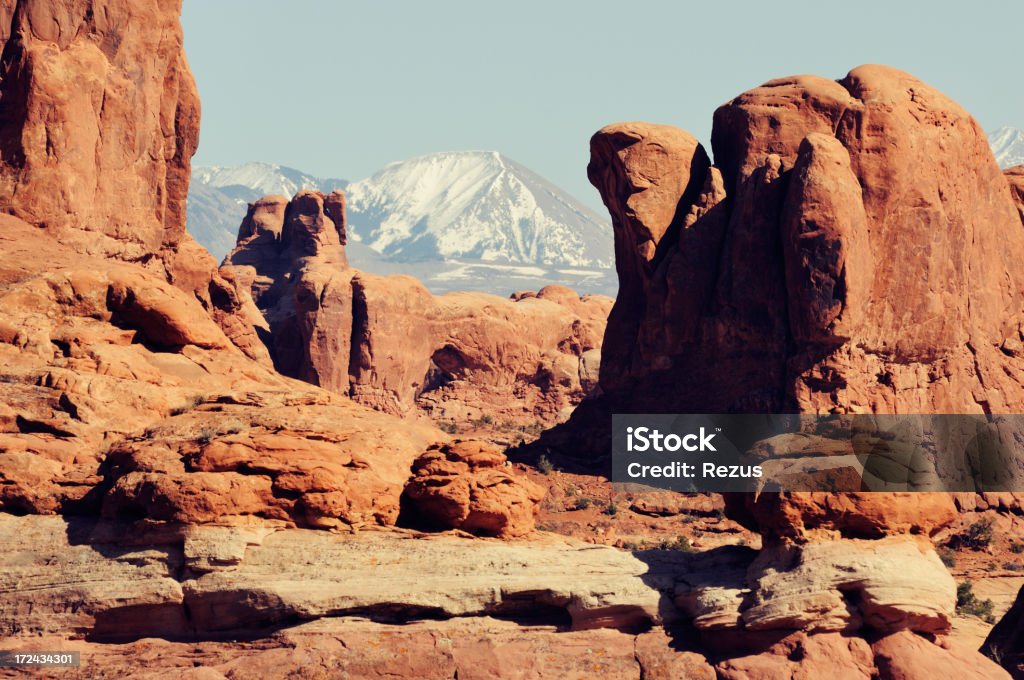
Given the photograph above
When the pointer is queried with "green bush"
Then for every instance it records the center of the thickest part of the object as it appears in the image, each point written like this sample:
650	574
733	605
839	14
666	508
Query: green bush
968	604
680	543
582	503
978	536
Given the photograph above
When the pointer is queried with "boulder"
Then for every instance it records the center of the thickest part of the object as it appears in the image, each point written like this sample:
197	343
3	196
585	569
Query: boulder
803	516
905	656
887	585
804	656
469	485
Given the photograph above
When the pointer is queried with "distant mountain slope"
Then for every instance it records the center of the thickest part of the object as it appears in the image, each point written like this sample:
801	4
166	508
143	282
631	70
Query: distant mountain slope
475	205
1008	145
457	221
218	198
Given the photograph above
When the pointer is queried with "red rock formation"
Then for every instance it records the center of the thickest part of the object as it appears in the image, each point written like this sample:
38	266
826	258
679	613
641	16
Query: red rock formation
905	656
100	157
92	152
388	343
800	655
464	485
117	384
800	516
1015	176
807	304
854	249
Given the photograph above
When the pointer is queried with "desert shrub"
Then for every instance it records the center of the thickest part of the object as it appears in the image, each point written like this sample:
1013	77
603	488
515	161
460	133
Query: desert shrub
1013	566
206	434
582	503
969	604
680	543
948	557
190	403
234	428
534	428
1017	548
450	428
545	466
611	509
977	536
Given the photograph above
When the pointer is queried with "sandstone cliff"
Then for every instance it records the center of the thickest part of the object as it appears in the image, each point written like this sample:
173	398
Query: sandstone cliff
99	118
92	152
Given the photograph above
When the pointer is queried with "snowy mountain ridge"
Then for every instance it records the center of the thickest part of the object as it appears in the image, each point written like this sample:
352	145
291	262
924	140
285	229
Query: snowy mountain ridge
476	205
1008	145
263	178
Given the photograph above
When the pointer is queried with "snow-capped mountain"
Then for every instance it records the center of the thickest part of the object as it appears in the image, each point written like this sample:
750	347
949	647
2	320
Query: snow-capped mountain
475	205
263	179
1008	145
219	196
471	220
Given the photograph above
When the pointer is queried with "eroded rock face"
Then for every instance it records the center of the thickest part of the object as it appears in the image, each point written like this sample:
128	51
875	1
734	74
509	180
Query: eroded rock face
803	516
93	152
388	343
98	154
1015	176
887	585
467	485
476	648
113	580
119	391
810	303
232	462
122	585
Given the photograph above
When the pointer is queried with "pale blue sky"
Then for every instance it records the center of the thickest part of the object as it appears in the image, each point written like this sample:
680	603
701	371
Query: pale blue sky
339	88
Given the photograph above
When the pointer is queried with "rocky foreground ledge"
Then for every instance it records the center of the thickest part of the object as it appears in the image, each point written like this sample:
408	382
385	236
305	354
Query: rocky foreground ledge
230	601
